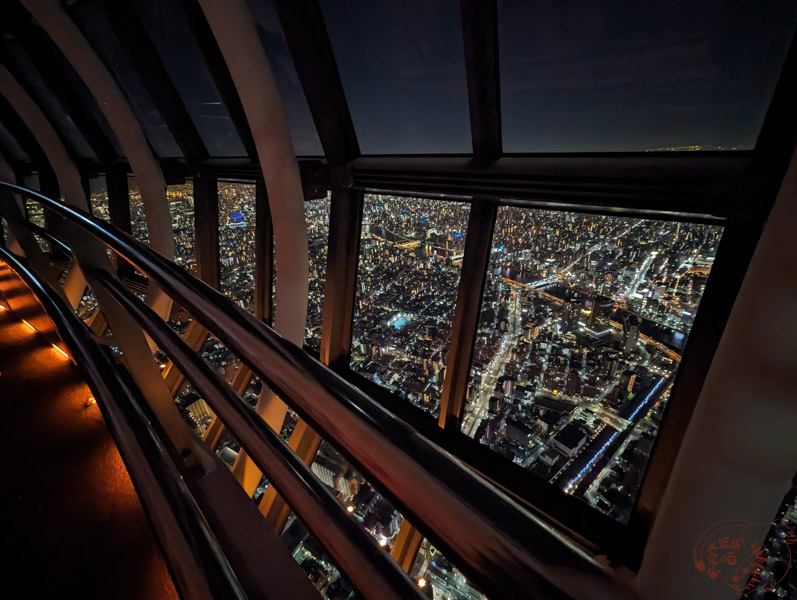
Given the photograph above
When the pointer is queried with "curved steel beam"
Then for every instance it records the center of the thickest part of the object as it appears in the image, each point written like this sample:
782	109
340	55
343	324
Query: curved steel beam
65	169
240	45
126	127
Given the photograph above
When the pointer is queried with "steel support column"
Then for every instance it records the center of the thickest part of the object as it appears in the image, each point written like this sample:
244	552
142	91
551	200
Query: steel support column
246	60
264	254
50	15
345	222
206	225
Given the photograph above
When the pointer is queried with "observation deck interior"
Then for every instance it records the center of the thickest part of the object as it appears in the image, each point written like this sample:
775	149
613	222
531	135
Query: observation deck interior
449	299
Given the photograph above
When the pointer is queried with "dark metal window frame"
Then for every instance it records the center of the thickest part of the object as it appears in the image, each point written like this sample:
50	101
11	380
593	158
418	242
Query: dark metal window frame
624	543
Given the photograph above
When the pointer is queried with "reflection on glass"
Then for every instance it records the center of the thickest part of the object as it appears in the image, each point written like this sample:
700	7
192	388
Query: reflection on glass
237	242
317	218
98	198
91	16
433	570
584	319
410	259
181	208
138	218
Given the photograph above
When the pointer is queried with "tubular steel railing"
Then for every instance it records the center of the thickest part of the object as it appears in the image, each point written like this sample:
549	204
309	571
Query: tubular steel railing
504	549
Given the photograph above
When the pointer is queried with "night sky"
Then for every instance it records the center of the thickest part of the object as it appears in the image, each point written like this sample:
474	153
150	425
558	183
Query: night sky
576	76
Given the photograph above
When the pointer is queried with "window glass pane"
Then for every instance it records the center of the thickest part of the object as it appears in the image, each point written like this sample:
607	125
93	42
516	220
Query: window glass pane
98	198
166	25
181	207
410	255
584	318
403	70
362	501
138	218
314	560
237	242
636	76
317	217
90	17
297	113
9	143
433	570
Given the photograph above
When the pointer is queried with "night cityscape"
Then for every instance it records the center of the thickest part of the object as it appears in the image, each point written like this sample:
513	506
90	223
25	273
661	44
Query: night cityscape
583	321
584	318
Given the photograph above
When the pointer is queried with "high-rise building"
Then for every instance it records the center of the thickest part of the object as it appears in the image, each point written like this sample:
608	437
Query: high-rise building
630	333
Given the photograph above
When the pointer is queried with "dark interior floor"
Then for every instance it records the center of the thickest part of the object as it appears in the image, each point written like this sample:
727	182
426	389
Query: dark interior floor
71	525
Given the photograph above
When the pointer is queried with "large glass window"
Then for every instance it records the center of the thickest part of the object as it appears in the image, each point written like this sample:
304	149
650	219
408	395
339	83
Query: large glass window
410	256
138	217
237	242
434	571
317	218
584	319
98	198
638	76
403	71
181	208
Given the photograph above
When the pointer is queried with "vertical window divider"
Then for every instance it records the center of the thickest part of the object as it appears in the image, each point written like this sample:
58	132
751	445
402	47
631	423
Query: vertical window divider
475	261
206	224
264	254
345	223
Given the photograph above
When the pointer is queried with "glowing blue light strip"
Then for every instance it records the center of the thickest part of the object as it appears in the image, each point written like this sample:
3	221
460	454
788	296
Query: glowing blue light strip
602	449
645	401
591	462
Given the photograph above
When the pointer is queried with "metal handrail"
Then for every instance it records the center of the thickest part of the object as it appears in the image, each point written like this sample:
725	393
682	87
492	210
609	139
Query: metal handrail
197	562
500	545
355	550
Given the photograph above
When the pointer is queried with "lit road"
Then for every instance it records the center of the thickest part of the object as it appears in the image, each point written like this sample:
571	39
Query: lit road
640	277
491	374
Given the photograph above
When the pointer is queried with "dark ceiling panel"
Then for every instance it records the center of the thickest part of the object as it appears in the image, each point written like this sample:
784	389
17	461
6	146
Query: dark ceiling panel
171	36
91	20
402	66
217	68
51	81
20	132
25	72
